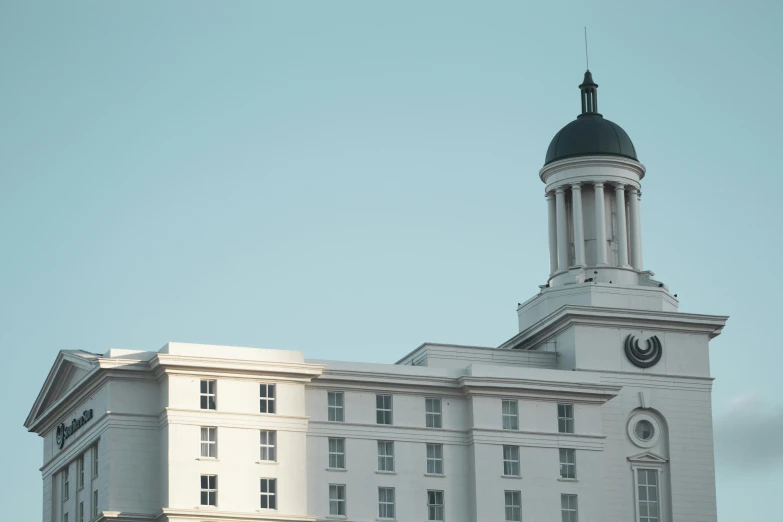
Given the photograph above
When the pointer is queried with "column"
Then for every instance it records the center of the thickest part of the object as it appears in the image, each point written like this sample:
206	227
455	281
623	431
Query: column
550	203
600	224
636	229
622	229
562	231
579	233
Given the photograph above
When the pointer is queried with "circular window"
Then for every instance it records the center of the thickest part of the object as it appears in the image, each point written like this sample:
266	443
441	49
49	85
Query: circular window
644	430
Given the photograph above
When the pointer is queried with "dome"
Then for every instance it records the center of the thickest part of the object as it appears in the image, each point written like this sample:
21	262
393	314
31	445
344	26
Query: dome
590	134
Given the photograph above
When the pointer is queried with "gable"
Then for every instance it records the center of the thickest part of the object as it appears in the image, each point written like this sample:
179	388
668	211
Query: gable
69	369
67	378
647	456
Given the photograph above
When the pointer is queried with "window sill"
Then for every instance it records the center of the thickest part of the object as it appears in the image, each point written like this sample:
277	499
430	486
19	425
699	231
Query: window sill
266	510
386	519
440	475
337	517
268	462
343	470
379	472
214	459
511	476
561	479
206	507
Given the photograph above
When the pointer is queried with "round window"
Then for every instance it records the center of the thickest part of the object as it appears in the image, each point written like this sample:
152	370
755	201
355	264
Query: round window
644	430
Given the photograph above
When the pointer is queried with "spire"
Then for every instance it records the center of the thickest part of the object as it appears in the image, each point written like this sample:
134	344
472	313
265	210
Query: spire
589	95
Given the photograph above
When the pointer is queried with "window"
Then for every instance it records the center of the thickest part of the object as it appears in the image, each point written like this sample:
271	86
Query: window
567	463
208	395
510	415
94	504
435	459
337	499
385	455
66	484
81	511
268	445
435	505
65	517
209	490
644	430
383	409
336	401
513	506
385	502
565	418
209	442
268	493
80	471
95	461
568	508
511	461
267	395
647	485
434	414
337	453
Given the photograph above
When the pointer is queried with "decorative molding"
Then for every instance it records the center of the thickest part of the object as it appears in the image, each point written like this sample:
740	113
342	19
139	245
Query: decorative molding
647	456
255	421
569	315
170	514
493	436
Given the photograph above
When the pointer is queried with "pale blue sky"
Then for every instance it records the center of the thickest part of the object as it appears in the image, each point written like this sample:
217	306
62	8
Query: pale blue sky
351	179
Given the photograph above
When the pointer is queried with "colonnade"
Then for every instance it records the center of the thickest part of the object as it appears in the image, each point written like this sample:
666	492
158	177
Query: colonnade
628	233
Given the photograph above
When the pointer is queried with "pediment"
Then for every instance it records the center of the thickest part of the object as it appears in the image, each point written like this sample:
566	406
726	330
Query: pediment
69	369
647	456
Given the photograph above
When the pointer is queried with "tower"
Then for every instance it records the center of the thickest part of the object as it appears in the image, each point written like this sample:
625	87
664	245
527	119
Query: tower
593	190
602	314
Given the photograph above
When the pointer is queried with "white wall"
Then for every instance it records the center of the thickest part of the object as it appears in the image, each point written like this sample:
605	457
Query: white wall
150	440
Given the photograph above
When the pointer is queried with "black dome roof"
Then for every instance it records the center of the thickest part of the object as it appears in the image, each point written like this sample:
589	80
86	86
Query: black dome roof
590	134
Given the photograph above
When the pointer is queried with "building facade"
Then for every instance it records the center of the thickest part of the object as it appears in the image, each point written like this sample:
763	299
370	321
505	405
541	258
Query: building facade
599	409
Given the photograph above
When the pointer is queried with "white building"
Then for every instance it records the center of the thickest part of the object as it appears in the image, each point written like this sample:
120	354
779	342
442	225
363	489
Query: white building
599	409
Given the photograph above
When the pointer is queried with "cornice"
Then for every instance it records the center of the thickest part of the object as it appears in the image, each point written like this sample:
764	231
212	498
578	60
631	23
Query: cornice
651	379
355	430
587	393
178	364
473	435
569	315
166	514
467	386
233	419
592	161
538	439
382	380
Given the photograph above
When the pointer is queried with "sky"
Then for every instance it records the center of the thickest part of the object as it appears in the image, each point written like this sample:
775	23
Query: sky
351	179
